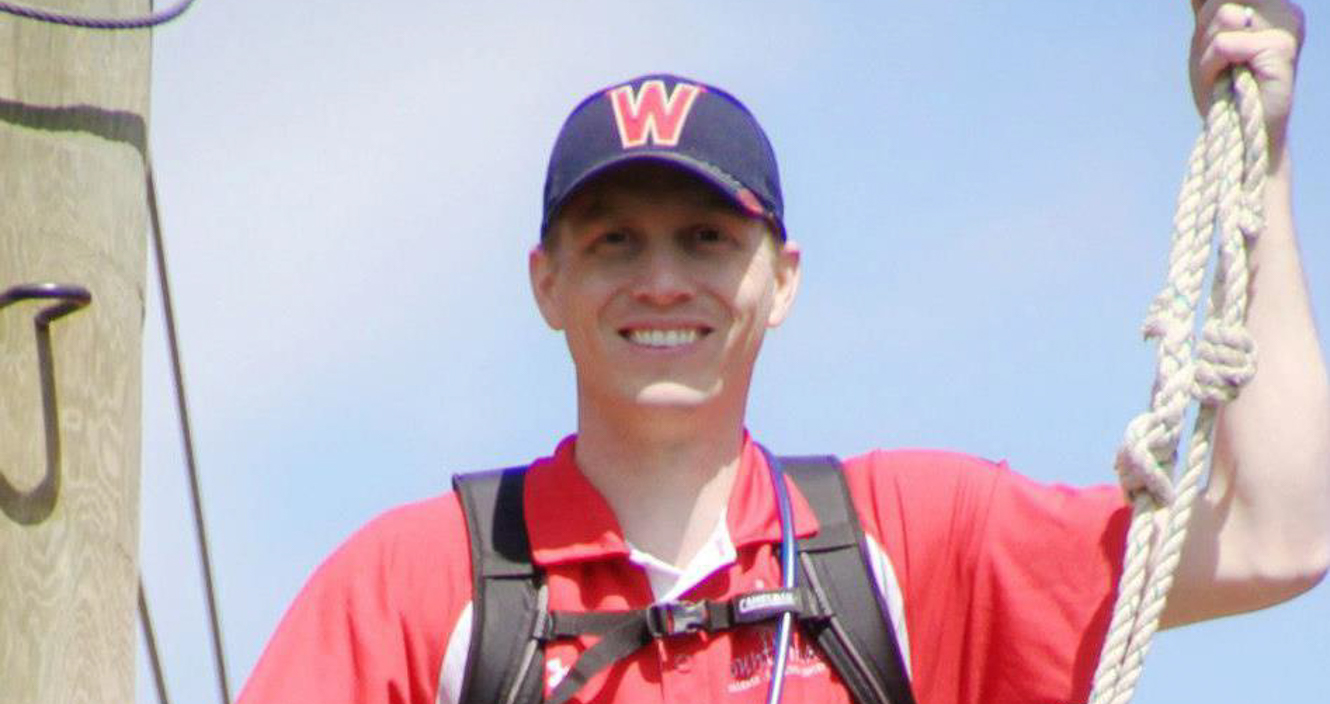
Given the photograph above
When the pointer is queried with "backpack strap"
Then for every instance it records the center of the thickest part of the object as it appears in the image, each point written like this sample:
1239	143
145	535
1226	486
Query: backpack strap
858	638
509	599
510	611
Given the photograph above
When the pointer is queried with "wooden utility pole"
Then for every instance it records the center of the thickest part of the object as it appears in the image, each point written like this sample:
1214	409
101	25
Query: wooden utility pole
73	148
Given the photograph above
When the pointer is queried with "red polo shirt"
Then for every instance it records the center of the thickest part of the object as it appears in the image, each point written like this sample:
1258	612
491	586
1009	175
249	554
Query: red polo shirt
1000	588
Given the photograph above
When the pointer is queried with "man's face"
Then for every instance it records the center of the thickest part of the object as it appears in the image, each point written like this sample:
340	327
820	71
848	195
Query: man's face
662	287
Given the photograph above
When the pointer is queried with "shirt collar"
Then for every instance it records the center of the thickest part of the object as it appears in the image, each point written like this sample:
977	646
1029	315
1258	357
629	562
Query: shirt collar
556	489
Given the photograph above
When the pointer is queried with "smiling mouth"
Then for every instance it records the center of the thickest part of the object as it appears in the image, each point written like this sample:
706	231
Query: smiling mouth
677	337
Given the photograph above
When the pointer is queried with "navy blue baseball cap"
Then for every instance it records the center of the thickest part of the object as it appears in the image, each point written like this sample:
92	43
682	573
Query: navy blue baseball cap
695	126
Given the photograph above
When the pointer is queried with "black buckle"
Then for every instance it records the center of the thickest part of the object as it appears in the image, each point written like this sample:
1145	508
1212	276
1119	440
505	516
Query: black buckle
676	617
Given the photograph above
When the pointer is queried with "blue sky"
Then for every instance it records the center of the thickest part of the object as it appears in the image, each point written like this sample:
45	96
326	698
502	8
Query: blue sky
982	190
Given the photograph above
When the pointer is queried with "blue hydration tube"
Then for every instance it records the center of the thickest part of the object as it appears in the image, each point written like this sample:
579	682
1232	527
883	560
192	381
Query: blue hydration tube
787	550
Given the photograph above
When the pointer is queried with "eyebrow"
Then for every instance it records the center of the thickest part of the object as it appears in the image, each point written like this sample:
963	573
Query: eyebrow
599	207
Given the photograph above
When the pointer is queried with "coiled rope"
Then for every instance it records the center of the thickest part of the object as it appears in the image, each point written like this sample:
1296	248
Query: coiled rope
1221	196
143	22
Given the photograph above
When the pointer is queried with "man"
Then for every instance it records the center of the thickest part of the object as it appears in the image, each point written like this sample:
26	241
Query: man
663	260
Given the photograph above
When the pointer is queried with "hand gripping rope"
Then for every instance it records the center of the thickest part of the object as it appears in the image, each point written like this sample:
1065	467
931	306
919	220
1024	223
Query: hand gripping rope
1222	192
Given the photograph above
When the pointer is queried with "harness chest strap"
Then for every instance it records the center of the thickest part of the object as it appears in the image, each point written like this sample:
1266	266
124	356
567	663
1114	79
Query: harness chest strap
623	632
675	618
840	608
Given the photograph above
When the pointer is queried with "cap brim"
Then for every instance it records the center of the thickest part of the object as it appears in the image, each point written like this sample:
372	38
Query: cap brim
740	195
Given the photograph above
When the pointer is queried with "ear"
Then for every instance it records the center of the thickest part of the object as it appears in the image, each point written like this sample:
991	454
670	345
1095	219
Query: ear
787	281
543	268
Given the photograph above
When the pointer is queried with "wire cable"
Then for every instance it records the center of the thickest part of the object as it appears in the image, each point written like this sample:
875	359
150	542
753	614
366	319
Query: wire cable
151	638
200	530
142	22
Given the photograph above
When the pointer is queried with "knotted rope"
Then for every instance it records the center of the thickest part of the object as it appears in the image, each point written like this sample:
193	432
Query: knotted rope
1221	195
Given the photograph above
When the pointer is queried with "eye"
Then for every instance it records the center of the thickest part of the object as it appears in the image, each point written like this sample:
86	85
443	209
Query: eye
709	234
708	237
611	241
609	238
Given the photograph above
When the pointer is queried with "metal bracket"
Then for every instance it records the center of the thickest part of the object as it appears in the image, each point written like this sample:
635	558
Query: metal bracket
34	506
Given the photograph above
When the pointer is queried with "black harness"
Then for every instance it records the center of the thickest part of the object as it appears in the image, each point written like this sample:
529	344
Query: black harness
837	605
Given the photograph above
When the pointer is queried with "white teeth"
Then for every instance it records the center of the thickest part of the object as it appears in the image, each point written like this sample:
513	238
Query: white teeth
663	338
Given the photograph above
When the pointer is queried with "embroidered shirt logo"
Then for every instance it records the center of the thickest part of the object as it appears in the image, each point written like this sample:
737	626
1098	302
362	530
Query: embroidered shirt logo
650	116
754	655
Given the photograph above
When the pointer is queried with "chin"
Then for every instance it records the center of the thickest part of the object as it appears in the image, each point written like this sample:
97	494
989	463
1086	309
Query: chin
665	395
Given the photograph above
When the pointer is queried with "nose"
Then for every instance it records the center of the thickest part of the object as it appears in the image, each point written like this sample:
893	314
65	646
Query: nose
663	280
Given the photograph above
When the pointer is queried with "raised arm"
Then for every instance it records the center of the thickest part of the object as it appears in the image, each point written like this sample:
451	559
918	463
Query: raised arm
1260	534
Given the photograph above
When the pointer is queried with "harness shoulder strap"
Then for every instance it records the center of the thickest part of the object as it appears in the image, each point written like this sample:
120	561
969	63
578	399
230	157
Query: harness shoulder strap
510	610
858	638
508	597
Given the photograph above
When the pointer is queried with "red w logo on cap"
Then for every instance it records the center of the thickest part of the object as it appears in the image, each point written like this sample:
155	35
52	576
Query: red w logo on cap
650	115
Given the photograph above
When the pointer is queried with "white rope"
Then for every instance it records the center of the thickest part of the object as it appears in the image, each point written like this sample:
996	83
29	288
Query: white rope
1221	195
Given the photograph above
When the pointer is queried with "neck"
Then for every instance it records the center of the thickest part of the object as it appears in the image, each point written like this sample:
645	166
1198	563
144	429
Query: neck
666	472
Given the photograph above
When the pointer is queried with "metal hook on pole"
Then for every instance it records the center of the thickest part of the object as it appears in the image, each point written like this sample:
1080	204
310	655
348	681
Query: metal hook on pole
35	505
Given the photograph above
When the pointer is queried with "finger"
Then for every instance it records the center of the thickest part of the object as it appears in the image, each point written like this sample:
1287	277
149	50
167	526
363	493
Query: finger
1233	16
1219	15
1227	17
1213	17
1263	13
1242	47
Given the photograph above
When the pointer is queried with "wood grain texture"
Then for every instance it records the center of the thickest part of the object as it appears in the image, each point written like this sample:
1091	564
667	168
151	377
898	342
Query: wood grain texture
72	209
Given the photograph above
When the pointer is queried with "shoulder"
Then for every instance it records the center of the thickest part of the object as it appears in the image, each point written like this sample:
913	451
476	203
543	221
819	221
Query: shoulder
410	567
376	615
406	534
913	485
928	500
937	477
415	555
1005	580
920	469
